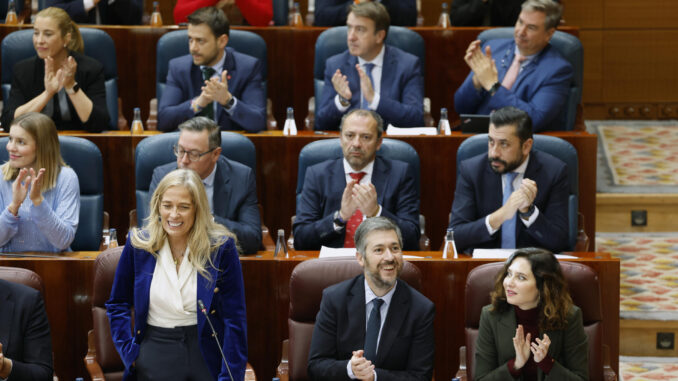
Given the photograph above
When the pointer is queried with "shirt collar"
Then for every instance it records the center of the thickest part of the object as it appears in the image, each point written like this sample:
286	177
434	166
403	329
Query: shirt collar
370	295
368	168
529	58
209	180
218	67
522	167
378	61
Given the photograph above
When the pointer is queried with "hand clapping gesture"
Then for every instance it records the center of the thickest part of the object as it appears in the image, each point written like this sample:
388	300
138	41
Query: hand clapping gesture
20	189
523	347
483	66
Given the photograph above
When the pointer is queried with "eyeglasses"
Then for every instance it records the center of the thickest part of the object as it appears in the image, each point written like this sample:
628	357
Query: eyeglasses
192	155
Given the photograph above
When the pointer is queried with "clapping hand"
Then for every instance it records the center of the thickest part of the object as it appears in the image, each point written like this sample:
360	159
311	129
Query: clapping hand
54	78
521	344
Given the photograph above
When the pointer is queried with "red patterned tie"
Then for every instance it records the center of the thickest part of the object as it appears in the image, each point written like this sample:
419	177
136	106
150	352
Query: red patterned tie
512	73
356	218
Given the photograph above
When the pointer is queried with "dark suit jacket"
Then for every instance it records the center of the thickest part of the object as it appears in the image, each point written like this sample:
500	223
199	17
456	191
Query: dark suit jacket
321	196
494	348
235	202
401	93
334	12
406	346
473	12
479	193
24	332
28	81
125	12
225	300
245	82
541	87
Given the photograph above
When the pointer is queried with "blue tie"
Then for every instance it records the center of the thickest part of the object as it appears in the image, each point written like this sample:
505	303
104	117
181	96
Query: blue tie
508	228
373	327
368	70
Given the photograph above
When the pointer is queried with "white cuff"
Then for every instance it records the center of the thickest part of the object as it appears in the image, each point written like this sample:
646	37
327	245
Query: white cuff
338	104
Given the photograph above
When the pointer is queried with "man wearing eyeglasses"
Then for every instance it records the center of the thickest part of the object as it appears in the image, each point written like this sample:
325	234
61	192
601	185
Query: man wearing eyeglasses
231	187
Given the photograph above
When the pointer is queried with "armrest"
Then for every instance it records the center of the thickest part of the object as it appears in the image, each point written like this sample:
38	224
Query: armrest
583	241
266	240
152	121
271	123
309	121
608	372
424	241
283	371
249	373
91	363
461	373
122	122
428	118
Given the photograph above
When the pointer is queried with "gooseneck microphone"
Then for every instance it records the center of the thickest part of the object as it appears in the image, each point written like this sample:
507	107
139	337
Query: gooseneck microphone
201	305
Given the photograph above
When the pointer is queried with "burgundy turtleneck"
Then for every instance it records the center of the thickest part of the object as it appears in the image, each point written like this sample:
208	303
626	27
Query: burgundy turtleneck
529	319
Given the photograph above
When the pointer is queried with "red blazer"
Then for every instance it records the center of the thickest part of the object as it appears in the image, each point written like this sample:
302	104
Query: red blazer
256	12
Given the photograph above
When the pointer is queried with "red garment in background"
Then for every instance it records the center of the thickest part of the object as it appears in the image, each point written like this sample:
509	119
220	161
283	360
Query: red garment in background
256	12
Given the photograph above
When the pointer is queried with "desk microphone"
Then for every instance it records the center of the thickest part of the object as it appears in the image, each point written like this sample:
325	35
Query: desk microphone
201	305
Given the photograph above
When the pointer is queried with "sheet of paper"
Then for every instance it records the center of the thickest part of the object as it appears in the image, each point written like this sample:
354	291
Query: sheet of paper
326	252
401	131
504	254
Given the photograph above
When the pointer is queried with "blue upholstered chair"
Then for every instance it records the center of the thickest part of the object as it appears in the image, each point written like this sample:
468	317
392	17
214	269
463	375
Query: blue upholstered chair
557	147
99	45
280	12
571	49
333	41
156	150
392	149
85	158
175	44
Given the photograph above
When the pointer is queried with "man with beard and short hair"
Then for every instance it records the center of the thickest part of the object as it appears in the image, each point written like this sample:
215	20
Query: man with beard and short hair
339	193
514	196
213	81
374	326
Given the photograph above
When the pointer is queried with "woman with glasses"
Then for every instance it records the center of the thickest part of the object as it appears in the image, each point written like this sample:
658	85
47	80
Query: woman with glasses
181	260
60	81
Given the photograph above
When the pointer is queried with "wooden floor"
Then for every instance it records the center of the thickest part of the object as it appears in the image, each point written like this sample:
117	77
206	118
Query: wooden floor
613	214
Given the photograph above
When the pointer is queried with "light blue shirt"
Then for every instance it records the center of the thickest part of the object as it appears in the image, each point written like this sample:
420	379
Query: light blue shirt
48	227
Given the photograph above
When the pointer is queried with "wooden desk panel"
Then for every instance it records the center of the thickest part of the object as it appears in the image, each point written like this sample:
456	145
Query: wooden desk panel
267	295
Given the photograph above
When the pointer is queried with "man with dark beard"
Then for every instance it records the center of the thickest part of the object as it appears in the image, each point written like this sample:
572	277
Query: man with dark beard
374	326
340	193
515	196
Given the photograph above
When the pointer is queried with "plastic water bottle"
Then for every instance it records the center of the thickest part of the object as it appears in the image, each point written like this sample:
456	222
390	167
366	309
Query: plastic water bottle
280	245
450	250
290	127
444	123
444	19
137	125
11	18
113	242
156	18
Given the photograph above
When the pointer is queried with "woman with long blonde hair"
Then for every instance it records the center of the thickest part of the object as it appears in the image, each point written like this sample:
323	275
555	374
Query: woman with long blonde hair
59	81
39	194
179	259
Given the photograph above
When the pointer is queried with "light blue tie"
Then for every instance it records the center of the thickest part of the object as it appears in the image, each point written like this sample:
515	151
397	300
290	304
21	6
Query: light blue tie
368	70
508	228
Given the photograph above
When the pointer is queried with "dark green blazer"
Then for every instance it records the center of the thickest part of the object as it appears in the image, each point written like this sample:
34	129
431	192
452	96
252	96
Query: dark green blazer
494	347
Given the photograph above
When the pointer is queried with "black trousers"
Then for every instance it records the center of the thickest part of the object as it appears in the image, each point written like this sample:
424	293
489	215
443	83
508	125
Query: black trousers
171	354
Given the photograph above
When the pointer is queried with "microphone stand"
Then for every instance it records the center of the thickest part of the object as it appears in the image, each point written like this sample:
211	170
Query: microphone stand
201	305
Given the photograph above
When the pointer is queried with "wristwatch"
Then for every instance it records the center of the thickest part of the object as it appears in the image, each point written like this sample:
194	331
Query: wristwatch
337	219
73	89
230	103
494	88
528	214
344	102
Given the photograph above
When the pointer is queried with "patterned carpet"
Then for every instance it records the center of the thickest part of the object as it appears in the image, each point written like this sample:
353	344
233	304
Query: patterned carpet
648	368
637	156
649	273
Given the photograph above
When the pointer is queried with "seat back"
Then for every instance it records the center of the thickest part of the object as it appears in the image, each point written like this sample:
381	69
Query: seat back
280	12
175	44
571	49
333	41
99	45
157	150
326	149
85	159
307	282
585	291
477	144
107	356
22	276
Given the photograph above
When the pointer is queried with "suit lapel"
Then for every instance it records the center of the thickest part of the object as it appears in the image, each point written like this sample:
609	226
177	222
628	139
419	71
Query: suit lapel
6	312
397	311
206	291
230	67
352	76
494	182
221	196
507	330
380	177
388	74
356	310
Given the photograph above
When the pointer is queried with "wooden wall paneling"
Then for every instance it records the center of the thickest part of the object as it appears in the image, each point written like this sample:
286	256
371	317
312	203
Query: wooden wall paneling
647	14
585	14
592	40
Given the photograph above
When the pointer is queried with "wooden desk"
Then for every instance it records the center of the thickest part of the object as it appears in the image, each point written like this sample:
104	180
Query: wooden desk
277	163
68	280
267	295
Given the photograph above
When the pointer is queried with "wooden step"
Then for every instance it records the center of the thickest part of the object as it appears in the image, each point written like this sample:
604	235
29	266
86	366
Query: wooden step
639	337
613	212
